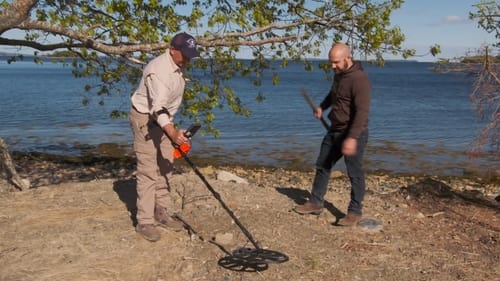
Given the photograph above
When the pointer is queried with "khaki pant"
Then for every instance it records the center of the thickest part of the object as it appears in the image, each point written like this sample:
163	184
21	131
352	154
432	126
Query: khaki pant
154	155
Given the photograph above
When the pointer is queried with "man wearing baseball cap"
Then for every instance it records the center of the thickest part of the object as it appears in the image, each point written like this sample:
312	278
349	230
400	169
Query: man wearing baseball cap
154	105
186	44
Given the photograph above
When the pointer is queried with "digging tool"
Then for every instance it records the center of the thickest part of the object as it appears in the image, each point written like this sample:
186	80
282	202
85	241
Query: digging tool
313	106
244	258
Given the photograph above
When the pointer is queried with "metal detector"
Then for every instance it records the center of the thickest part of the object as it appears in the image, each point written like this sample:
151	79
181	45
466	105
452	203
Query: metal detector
244	258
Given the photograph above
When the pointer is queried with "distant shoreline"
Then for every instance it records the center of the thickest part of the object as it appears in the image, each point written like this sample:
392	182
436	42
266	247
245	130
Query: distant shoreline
5	56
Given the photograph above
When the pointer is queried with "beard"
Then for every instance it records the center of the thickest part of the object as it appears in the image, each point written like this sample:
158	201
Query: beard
341	69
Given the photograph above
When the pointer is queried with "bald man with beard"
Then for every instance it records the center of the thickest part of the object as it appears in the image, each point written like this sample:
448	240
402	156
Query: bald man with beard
349	100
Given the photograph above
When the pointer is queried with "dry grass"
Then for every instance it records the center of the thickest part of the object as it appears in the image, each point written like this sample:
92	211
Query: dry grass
84	231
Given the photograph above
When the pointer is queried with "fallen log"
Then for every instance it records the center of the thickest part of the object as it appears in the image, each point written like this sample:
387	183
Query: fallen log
8	168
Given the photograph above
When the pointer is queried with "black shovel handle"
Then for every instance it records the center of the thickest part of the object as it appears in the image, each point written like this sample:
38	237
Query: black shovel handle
313	106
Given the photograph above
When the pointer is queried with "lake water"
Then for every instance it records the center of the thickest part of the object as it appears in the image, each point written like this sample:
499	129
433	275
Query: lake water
420	122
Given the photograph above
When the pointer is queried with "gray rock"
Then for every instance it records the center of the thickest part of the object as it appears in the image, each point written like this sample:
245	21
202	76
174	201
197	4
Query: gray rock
228	177
370	224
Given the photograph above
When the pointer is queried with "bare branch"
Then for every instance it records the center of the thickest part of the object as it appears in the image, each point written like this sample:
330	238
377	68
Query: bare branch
15	13
38	46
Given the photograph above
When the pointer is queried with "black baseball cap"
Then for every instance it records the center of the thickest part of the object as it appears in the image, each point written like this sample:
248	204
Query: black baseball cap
186	44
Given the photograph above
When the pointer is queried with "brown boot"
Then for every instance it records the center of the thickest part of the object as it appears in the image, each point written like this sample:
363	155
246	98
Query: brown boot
164	219
148	232
349	220
308	208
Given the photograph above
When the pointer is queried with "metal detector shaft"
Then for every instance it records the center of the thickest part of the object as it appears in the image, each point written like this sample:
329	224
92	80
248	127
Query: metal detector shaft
313	106
215	194
218	197
242	259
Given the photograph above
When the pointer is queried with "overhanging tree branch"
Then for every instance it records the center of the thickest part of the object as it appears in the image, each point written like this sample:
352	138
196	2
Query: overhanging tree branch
14	14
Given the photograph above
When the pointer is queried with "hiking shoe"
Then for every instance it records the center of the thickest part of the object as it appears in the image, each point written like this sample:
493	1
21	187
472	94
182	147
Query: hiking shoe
308	208
148	232
349	220
164	219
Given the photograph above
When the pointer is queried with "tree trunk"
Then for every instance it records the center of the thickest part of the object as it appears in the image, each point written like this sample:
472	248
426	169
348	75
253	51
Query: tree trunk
7	165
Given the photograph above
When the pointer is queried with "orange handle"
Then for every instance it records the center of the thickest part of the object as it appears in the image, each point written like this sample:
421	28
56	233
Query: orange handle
185	147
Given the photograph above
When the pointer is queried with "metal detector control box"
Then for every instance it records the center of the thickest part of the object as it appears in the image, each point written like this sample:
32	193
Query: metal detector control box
191	130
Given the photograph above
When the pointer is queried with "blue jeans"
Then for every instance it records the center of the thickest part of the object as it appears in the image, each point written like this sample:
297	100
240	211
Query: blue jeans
330	153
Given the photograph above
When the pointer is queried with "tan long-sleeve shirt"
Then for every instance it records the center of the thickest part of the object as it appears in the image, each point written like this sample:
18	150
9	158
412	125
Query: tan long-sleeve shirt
162	86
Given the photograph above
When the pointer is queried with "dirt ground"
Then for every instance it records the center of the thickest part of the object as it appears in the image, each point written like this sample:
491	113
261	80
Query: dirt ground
432	229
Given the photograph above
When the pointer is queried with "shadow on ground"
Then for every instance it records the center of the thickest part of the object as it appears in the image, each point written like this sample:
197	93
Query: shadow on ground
430	189
300	196
127	192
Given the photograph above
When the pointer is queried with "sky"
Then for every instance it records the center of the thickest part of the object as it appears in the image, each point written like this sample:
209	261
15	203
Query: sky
429	22
443	22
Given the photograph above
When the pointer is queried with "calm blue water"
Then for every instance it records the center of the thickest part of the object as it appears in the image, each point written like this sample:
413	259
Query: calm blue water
420	121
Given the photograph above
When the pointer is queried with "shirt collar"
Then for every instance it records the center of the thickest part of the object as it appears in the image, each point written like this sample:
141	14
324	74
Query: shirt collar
171	62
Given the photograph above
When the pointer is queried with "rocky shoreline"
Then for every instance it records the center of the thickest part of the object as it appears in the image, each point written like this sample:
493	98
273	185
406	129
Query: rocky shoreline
46	169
